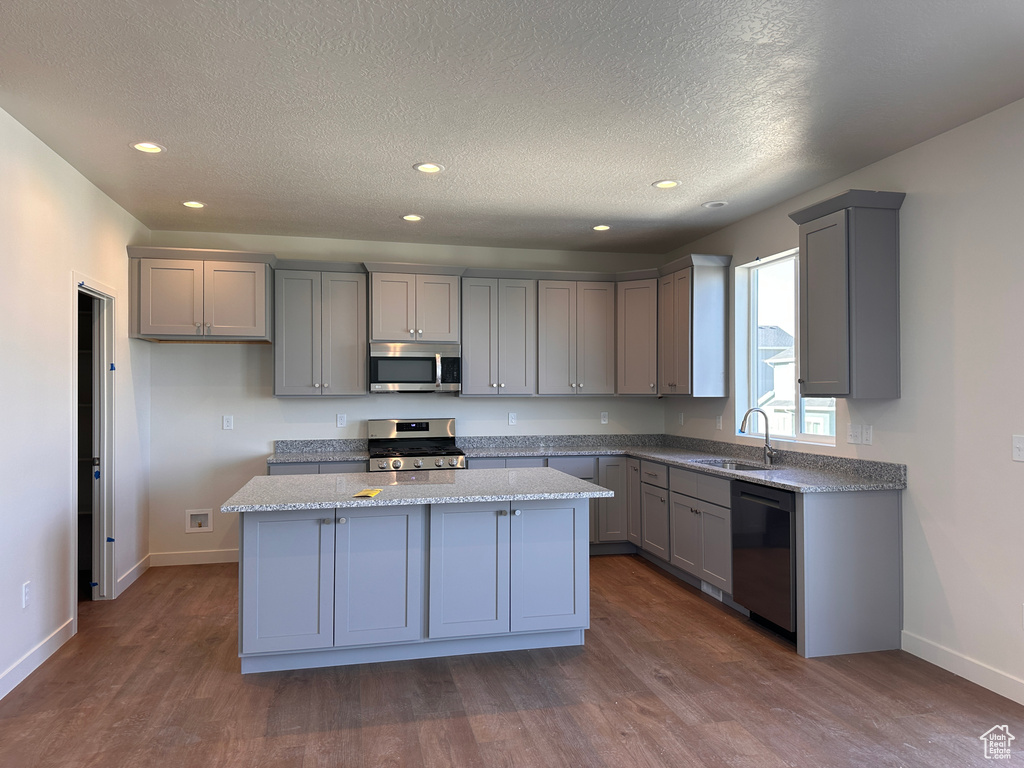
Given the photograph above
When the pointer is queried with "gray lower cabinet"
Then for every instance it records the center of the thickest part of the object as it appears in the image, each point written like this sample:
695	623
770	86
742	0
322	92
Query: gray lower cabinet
654	510
613	474
497	567
585	468
320	333
499	336
634	503
315	579
701	525
287	580
684	519
518	462
312	468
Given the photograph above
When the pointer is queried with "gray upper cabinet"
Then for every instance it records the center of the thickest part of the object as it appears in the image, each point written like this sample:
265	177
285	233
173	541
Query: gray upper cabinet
320	333
186	298
692	327
414	307
499	336
637	337
576	338
849	296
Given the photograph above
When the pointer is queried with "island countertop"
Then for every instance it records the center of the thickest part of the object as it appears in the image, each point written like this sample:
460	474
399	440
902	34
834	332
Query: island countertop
275	493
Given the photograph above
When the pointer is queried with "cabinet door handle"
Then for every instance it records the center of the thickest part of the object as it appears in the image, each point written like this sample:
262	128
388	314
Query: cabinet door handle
695	511
326	521
572	383
635	469
517	512
652	386
412	331
420	331
799	381
502	512
662	498
316	385
342	520
501	385
495	385
325	385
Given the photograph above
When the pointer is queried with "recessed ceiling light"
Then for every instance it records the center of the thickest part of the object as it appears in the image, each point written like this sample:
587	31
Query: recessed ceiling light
715	204
666	183
148	147
602	227
429	167
194	204
412	217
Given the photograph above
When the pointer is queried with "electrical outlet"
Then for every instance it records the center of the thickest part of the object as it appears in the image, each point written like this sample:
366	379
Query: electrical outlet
680	418
511	419
342	420
718	422
853	434
228	423
1018	448
867	434
25	594
604	417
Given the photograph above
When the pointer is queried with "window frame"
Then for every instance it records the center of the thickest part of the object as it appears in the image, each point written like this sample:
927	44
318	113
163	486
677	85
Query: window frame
750	355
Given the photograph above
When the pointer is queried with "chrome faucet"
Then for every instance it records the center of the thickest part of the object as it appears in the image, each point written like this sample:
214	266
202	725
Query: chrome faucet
769	452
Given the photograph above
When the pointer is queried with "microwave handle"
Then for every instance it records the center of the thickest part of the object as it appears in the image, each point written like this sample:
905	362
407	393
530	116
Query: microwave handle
437	370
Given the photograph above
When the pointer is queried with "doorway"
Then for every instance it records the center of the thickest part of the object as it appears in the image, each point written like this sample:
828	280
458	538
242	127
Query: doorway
93	443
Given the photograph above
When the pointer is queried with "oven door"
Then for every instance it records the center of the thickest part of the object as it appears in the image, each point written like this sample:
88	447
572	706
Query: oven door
414	367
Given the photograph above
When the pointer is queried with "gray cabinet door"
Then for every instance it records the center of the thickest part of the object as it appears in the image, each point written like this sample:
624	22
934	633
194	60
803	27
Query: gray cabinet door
685	524
549	569
611	513
343	336
517	337
469	569
683	331
297	333
392	307
437	308
287	580
293	469
716	545
655	524
485	463
824	307
637	338
378	585
235	299
595	338
170	297
634	501
479	336
342	467
556	331
667	334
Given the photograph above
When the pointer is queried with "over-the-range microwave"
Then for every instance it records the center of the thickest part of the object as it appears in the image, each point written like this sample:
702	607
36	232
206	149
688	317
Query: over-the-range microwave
415	367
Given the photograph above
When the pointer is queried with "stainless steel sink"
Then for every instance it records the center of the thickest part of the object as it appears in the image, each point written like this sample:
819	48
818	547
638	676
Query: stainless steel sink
738	466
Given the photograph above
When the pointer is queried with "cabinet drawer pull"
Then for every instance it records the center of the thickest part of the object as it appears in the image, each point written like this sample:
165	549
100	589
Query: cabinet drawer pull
650	474
635	469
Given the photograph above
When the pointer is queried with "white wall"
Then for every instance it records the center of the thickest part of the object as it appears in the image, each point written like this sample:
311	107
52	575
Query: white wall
962	279
197	465
53	223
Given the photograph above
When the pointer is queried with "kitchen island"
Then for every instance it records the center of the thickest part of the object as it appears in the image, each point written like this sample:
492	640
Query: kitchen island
438	563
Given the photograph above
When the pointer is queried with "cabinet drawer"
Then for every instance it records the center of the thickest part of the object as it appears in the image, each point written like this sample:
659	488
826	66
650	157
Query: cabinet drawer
683	481
654	474
527	461
583	467
714	489
293	469
485	463
342	467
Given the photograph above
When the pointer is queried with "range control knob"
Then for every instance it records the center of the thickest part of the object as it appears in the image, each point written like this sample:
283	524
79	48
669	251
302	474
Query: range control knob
396	463
382	464
454	460
418	463
438	462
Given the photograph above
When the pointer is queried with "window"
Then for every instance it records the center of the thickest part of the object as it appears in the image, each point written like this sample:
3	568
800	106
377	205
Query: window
773	349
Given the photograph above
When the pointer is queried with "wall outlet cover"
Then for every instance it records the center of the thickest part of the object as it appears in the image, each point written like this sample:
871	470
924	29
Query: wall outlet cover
853	434
1018	448
680	418
342	420
228	422
604	417
867	434
511	419
718	422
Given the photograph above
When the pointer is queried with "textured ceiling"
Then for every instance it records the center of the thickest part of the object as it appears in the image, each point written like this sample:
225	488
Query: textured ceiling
305	117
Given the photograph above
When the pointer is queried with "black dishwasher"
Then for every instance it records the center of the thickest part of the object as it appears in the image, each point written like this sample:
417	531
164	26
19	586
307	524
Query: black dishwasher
764	553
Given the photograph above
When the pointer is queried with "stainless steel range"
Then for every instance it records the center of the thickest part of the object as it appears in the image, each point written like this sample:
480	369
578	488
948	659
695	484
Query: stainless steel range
403	444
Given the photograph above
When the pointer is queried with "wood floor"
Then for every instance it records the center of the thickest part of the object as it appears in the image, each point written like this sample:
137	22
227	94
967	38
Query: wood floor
667	678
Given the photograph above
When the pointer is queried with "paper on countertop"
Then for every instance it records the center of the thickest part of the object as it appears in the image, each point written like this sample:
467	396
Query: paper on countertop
367	492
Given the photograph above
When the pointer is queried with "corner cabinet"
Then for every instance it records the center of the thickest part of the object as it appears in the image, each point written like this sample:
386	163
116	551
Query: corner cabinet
693	327
320	333
637	337
198	295
414	307
576	338
849	296
499	336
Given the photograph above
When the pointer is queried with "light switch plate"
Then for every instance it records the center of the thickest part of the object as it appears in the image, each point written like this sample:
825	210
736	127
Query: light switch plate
1018	447
853	434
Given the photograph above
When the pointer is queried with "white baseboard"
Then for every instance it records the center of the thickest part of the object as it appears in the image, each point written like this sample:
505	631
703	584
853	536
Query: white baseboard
130	576
28	663
197	557
976	671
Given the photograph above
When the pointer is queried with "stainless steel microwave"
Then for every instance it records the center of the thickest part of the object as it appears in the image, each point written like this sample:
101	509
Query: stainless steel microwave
415	367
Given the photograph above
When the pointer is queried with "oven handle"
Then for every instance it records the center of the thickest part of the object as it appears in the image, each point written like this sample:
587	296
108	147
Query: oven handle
437	369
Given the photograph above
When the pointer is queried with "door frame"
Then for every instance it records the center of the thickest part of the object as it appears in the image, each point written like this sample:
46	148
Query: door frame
103	426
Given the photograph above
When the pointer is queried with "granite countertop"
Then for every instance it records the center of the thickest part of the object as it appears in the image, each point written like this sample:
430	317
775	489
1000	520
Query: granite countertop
794	471
276	493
